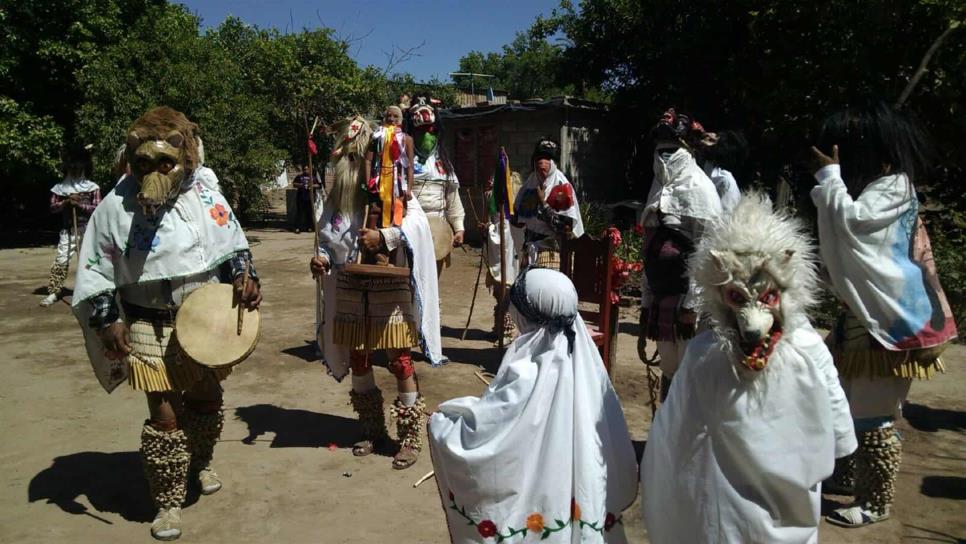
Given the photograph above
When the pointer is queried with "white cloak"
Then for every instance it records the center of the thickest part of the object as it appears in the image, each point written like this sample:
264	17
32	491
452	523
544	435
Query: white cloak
121	248
735	459
548	433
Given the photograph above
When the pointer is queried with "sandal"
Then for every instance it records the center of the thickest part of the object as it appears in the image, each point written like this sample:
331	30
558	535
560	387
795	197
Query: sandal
855	516
409	425
406	458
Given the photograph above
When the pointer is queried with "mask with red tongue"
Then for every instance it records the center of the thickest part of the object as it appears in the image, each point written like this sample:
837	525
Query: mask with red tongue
757	310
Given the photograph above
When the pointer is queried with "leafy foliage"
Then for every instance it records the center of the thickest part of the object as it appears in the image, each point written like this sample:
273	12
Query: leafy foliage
78	70
774	70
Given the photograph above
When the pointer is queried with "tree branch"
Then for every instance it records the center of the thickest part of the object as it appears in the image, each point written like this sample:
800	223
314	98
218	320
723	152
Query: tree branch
405	55
921	70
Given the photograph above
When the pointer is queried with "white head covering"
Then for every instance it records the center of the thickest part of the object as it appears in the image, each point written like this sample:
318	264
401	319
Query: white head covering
71	185
681	188
545	451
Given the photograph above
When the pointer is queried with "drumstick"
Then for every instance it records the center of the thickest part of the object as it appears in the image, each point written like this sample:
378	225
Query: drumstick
365	222
241	307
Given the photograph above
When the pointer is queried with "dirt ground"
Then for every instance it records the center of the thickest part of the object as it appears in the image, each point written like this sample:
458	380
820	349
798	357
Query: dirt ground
71	471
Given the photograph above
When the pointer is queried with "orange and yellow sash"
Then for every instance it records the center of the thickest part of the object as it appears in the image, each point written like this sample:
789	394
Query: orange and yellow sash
392	207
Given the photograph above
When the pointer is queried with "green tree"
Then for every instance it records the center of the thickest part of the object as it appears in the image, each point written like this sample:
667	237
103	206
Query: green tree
530	66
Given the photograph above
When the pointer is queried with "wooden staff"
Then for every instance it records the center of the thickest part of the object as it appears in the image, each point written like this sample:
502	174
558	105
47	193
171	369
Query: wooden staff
241	307
315	228
365	224
76	236
502	309
479	271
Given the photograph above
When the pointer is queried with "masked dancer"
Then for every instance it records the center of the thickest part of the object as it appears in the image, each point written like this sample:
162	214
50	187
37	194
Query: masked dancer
546	208
434	181
163	232
365	314
74	199
756	415
680	207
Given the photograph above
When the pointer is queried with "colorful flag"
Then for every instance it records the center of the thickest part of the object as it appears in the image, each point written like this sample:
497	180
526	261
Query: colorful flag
502	188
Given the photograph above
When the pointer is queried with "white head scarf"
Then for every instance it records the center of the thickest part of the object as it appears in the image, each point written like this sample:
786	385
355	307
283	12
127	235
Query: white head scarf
545	451
681	188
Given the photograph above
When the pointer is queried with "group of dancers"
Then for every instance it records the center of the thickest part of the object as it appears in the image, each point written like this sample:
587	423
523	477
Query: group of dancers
758	411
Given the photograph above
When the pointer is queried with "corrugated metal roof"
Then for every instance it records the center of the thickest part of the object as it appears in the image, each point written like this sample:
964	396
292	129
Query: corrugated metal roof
530	105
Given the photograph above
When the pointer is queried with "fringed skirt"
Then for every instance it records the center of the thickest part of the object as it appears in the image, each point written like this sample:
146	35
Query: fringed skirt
858	355
374	314
158	364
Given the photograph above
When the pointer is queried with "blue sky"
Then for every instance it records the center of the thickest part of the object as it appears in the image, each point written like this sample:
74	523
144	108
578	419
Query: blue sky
450	28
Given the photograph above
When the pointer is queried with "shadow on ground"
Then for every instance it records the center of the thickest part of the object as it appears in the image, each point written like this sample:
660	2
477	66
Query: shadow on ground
297	428
924	418
944	487
487	358
930	535
112	482
472	334
306	352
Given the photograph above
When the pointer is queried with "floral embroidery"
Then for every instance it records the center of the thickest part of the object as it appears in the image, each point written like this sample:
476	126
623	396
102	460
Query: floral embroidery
91	263
336	222
535	523
220	215
486	528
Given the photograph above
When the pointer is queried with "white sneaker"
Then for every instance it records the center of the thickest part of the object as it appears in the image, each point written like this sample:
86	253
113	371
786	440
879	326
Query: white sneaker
856	516
167	524
49	300
210	483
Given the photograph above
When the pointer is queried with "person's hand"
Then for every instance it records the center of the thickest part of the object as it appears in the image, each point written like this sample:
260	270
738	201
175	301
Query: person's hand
458	239
318	265
74	199
370	240
117	340
252	296
642	335
821	160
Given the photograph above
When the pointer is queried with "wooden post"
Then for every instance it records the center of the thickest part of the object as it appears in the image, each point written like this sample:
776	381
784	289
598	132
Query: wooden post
502	316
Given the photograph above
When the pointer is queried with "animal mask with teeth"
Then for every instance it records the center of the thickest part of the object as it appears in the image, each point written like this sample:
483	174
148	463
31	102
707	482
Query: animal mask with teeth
756	269
162	151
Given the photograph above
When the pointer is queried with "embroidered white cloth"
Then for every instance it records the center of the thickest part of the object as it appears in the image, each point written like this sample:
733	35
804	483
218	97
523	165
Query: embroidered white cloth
731	459
879	260
69	186
122	248
680	189
338	241
545	452
527	202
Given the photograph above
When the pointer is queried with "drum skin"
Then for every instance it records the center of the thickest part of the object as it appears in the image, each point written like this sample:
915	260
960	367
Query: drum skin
442	237
207	327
